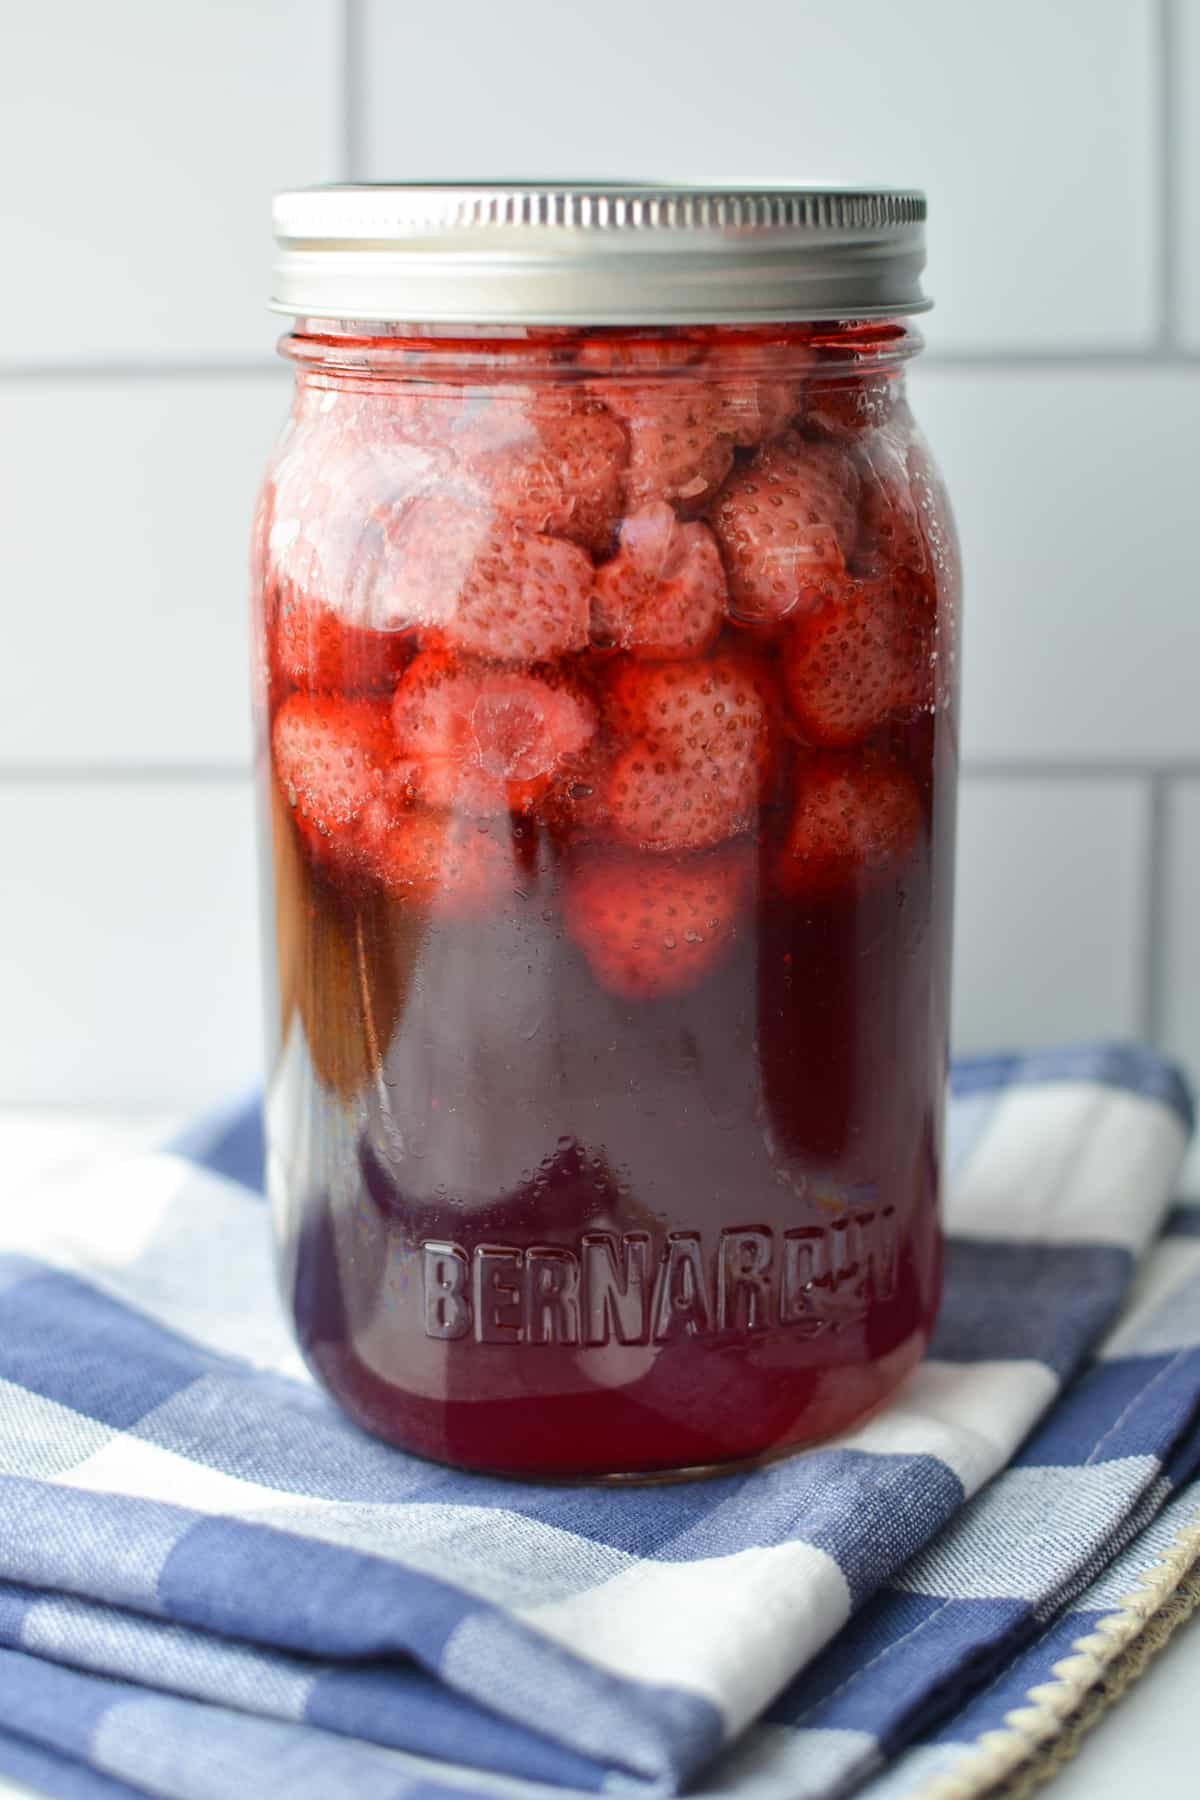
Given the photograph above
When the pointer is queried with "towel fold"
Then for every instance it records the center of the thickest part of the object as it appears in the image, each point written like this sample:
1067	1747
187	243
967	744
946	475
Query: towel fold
212	1584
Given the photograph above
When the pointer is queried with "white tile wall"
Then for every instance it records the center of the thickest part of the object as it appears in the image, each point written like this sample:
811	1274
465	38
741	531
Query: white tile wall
129	956
1032	124
141	144
1050	880
1073	486
1061	150
1185	94
127	527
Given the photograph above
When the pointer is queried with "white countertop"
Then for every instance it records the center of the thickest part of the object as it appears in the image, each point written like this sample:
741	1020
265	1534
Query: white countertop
1148	1743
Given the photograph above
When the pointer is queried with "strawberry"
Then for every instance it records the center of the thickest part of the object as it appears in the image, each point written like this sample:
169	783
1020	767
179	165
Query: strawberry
858	657
663	593
723	705
331	759
889	532
577	805
694	753
315	649
784	523
651	926
848	400
753	409
492	589
481	740
679	449
890	529
638	352
936	553
755	382
385	414
936	518
548	466
451	866
343	506
906	526
747	385
854	820
660	802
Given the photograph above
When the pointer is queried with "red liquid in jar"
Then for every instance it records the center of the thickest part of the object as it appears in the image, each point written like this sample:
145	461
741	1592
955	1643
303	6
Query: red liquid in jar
607	1110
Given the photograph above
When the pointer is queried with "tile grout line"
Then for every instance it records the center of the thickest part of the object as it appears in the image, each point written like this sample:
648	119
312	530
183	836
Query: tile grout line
122	774
1154	948
172	370
1080	768
1156	355
1168	149
351	90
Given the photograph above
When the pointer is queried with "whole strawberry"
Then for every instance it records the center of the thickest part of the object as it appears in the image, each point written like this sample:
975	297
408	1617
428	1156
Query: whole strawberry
890	528
861	655
548	464
680	448
332	757
785	524
663	594
723	703
651	927
754	409
342	508
693	750
482	740
846	401
756	402
314	648
482	585
854	821
436	861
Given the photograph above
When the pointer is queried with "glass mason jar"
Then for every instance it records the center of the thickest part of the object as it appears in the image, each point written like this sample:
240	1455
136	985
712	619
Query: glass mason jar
606	668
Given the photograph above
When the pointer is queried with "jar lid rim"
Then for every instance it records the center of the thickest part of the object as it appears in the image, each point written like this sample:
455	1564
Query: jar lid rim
596	252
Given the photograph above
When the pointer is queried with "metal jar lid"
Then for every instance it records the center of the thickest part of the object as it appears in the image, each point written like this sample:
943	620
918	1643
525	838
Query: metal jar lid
596	253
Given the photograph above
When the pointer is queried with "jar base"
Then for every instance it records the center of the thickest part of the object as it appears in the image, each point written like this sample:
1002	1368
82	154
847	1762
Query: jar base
845	1399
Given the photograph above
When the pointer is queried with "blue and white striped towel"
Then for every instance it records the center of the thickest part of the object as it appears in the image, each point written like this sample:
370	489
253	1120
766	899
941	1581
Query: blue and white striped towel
212	1585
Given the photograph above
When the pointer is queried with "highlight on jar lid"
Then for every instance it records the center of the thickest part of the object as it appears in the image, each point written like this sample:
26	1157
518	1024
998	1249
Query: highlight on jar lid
597	253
